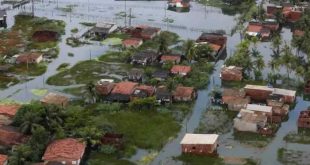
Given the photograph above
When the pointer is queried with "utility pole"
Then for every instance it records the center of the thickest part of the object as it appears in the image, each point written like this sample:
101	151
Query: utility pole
125	13
32	8
130	17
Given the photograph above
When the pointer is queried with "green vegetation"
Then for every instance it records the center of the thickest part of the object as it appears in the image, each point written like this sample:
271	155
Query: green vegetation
112	41
302	137
252	139
63	66
74	30
87	23
200	160
287	156
76	91
5	81
30	70
39	92
102	158
120	57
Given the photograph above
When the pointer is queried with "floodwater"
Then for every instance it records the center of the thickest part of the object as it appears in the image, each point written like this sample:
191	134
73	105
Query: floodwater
188	26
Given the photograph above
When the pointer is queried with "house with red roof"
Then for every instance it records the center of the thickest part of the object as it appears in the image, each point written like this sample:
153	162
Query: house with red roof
66	151
4	159
182	93
181	70
10	136
143	32
216	41
7	113
298	33
175	59
104	88
55	99
260	30
143	91
122	91
132	42
293	16
30	58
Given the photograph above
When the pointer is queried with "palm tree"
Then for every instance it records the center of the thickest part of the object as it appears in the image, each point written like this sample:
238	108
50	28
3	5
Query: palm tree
189	50
90	92
53	117
287	59
91	135
163	45
276	43
30	121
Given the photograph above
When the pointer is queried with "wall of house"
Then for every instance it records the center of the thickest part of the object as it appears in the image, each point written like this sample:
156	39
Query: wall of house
304	123
199	149
258	95
241	125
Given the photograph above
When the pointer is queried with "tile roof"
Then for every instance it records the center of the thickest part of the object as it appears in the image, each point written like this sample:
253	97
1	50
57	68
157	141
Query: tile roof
149	89
3	159
254	28
259	108
9	110
53	98
298	33
10	136
104	88
181	91
170	58
28	57
68	148
215	47
125	88
180	69
200	139
132	42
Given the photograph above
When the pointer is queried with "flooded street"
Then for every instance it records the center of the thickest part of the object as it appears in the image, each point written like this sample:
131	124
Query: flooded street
188	26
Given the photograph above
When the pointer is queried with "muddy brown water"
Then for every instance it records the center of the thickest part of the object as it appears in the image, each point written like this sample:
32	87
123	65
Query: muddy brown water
188	26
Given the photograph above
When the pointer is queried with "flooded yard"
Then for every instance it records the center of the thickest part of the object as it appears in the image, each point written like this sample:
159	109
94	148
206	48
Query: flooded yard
188	26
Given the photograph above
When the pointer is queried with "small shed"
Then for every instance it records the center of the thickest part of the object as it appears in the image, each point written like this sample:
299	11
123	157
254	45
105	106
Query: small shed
30	58
145	57
182	93
102	29
248	121
200	144
55	99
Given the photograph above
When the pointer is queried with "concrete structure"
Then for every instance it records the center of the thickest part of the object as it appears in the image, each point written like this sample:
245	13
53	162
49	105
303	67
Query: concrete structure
248	121
260	109
102	29
200	144
184	94
231	73
304	119
55	99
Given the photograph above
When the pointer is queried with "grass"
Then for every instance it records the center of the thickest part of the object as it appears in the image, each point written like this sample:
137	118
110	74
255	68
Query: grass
112	41
145	129
39	92
32	70
4	81
101	158
88	24
86	71
63	66
199	160
302	137
76	91
293	157
113	56
252	139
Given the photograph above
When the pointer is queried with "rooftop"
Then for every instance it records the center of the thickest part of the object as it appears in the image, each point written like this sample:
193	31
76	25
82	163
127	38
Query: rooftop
125	88
259	108
259	87
200	139
28	57
3	159
180	69
284	92
184	91
251	117
132	41
53	98
65	148
170	57
9	110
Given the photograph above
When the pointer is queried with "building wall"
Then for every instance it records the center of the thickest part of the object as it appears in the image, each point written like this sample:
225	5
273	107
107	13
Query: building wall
258	95
245	126
304	123
199	149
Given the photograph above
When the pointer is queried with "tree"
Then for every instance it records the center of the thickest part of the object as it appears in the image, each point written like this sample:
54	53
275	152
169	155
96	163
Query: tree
276	43
90	134
189	48
163	45
91	93
287	59
31	120
143	103
204	51
20	154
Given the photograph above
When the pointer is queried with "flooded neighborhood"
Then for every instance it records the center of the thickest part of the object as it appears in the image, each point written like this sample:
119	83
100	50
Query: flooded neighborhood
163	82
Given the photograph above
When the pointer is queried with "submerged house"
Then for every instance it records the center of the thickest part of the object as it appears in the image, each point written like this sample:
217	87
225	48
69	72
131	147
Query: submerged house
182	93
146	57
30	58
257	29
122	91
200	144
102	30
55	99
260	109
3	16
143	32
65	151
178	3
104	88
249	121
235	99
143	91
216	41
173	58
307	87
160	75
304	119
132	42
231	73
7	113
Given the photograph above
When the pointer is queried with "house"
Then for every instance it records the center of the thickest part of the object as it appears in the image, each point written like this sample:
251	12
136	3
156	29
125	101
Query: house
216	41
4	159
279	109
257	92
260	30
45	36
231	73
132	42
178	3
304	119
260	109
102	30
272	10
298	33
184	94
30	58
55	99
163	95
135	75
143	32
3	16
200	144
143	91
289	96
67	151
7	113
113	139
248	121
145	57
104	88
307	87
174	59
122	91
11	136
235	99
271	24
181	70
292	16
160	75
